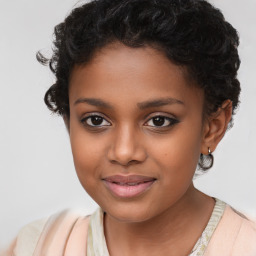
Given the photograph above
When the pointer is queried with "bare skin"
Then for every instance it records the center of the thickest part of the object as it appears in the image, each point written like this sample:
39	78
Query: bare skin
133	112
171	233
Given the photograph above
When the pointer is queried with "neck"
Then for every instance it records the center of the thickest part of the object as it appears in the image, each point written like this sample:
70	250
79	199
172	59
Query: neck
180	225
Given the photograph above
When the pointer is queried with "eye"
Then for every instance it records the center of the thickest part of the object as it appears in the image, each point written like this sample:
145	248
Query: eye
95	121
161	121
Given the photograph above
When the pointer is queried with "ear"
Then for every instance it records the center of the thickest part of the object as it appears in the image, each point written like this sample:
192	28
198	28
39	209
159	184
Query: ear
215	127
66	121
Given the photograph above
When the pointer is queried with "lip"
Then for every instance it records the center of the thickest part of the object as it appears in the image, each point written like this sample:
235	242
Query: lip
128	186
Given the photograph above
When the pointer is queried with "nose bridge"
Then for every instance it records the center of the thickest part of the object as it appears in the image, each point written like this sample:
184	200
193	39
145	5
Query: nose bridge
126	146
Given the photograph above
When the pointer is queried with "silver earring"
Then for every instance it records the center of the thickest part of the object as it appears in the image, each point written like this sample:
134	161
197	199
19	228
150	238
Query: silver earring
206	161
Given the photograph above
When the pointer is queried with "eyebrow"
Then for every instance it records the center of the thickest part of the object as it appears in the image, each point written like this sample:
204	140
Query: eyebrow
159	102
142	105
94	102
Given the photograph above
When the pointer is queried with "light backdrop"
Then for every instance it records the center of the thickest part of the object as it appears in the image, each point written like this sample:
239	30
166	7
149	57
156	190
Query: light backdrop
37	177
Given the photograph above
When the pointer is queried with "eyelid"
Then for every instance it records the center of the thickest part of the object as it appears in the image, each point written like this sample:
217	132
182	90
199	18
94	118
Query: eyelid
163	114
173	120
92	114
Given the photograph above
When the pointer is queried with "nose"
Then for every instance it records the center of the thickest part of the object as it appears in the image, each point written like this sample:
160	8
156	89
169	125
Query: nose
126	147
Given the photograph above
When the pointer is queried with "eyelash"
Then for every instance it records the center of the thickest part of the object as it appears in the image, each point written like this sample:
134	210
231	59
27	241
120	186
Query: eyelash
89	117
172	121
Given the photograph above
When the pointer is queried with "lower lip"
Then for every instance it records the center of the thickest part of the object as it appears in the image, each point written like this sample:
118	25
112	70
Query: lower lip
128	191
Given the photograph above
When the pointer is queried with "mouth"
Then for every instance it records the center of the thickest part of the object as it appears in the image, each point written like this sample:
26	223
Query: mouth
128	186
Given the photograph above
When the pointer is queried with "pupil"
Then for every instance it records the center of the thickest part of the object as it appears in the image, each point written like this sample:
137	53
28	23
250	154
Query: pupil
158	121
96	120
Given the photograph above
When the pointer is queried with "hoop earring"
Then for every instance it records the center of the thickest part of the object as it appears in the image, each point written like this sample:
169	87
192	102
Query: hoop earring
206	161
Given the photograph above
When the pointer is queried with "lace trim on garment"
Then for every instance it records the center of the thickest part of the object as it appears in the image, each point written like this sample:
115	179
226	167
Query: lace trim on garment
205	238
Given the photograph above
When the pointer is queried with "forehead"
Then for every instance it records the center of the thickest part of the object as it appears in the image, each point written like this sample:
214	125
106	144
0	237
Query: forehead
131	74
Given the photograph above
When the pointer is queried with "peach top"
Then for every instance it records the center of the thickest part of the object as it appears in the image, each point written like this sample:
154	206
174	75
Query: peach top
68	234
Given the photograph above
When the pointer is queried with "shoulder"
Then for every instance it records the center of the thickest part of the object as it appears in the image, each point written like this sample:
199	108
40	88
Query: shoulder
245	240
49	234
26	240
235	235
28	237
241	226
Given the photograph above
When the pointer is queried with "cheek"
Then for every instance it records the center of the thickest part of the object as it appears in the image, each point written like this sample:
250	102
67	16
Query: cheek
87	153
177	155
179	150
83	154
177	165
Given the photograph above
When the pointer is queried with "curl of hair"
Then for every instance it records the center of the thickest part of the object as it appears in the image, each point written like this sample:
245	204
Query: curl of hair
191	33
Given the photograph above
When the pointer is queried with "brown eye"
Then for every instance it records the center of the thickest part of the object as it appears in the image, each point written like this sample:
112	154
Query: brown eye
161	121
95	120
158	121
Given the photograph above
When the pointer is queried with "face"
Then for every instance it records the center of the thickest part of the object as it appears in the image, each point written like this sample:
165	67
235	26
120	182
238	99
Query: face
135	130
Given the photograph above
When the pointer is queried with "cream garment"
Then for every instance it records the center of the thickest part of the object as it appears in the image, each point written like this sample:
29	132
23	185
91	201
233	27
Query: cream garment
66	234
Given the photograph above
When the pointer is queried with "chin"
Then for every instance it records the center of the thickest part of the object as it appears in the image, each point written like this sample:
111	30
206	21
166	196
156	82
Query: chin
129	214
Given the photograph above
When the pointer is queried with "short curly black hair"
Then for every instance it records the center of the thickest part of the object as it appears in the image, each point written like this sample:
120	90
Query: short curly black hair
191	33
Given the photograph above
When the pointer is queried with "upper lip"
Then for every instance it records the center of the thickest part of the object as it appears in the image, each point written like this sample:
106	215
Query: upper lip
128	179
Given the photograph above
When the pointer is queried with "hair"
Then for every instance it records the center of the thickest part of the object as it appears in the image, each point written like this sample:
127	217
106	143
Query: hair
191	33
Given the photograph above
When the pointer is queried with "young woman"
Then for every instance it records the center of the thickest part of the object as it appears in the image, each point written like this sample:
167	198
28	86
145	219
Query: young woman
147	90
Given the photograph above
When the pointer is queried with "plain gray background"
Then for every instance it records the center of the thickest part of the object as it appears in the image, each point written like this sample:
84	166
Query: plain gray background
37	175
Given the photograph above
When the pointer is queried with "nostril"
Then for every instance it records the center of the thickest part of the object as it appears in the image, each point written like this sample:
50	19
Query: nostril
124	163
133	162
126	149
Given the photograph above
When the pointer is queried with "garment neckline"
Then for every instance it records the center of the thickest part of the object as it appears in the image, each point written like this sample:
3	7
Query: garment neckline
97	246
211	226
